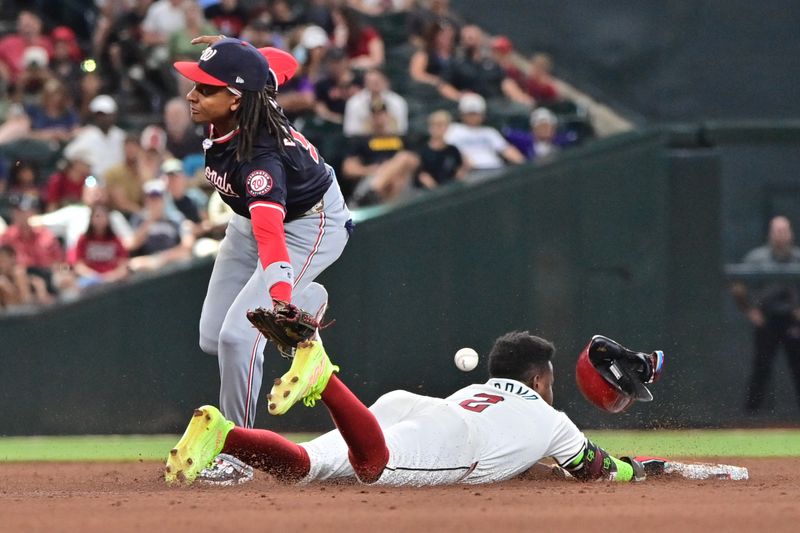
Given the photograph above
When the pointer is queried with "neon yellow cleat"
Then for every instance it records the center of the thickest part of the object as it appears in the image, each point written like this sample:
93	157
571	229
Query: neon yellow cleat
306	379
201	442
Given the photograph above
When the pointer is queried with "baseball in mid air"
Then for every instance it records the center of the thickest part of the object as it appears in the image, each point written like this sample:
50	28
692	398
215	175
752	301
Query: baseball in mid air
466	359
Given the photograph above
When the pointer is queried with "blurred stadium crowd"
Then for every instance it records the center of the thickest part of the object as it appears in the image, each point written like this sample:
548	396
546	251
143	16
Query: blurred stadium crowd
101	168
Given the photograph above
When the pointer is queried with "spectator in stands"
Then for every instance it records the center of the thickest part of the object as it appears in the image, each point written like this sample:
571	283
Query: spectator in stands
158	239
124	181
184	138
65	186
99	255
432	64
13	46
16	286
65	63
319	13
503	54
190	201
482	146
380	164
335	88
163	18
260	33
296	96
118	45
180	41
358	110
363	44
153	141
30	82
773	308
544	125
375	8
427	13
475	71
103	140
228	16
37	249
53	119
540	83
72	221
284	18
23	179
440	163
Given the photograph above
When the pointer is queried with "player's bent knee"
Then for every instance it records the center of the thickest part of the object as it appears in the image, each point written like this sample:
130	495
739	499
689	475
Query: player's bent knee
234	342
209	346
369	469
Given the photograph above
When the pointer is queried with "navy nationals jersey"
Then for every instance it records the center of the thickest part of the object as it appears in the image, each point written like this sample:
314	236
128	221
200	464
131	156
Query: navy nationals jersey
295	177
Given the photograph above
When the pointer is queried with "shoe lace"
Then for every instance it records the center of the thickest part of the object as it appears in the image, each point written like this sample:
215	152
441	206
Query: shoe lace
315	393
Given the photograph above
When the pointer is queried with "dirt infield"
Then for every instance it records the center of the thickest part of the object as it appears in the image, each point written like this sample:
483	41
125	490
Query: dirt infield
85	497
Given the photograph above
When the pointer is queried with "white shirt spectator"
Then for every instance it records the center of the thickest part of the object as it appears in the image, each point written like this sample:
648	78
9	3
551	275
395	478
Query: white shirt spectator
357	113
72	221
105	149
164	18
480	145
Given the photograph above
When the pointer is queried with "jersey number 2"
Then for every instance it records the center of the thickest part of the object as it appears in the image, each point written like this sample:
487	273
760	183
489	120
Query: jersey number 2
300	139
479	405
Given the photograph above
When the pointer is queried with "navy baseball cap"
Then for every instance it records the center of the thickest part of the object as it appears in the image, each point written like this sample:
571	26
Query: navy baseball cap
229	63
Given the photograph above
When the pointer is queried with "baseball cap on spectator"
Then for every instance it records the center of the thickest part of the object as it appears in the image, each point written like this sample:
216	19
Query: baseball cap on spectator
502	44
103	103
543	115
153	138
35	56
472	103
25	202
66	35
172	166
79	153
154	188
314	37
63	33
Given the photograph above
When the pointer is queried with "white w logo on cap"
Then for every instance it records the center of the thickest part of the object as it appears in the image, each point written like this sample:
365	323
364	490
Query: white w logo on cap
239	79
207	54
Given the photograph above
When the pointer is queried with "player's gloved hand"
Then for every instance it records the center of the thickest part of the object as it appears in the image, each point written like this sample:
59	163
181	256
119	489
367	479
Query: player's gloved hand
285	325
644	466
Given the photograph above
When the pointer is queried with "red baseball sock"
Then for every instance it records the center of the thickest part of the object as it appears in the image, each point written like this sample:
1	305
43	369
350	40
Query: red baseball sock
269	452
359	427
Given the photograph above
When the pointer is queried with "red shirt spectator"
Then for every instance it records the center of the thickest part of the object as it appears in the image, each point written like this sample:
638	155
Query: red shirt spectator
35	246
65	187
12	47
363	44
101	253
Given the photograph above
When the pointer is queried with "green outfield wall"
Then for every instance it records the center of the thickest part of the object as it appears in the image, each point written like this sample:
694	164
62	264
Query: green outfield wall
627	236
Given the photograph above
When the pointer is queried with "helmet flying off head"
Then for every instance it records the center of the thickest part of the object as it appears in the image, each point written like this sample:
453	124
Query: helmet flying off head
613	377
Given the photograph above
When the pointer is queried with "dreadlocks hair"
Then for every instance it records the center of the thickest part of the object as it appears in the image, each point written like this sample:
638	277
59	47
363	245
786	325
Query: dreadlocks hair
260	108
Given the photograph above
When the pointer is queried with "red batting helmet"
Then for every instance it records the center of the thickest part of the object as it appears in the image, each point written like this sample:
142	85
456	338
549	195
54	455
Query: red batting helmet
612	377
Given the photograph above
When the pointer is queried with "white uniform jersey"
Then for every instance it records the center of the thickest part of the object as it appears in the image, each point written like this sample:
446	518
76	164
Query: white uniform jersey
482	433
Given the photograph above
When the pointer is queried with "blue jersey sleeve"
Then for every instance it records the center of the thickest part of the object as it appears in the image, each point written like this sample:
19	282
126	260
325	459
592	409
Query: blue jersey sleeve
264	178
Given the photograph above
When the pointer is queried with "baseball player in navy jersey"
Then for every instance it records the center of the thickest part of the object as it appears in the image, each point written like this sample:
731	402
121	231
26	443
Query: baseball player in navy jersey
482	433
290	219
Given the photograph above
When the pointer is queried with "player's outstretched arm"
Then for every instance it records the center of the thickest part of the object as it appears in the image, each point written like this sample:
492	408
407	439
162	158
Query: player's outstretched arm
593	463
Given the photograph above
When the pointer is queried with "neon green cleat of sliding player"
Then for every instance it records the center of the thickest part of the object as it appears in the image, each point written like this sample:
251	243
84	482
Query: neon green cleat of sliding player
201	442
306	379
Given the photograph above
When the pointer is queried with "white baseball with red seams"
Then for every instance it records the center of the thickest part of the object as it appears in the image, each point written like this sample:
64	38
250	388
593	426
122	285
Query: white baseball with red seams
466	359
